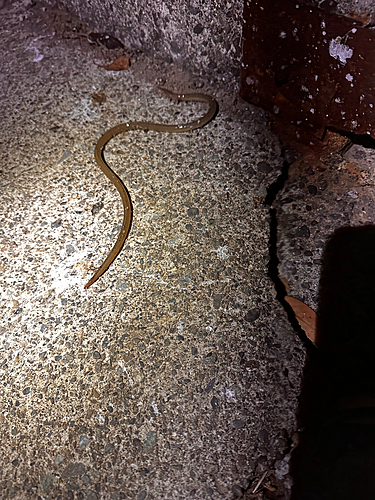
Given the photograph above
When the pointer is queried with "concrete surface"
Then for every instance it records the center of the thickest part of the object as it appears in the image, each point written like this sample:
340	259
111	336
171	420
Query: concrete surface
177	375
361	9
320	196
203	37
333	272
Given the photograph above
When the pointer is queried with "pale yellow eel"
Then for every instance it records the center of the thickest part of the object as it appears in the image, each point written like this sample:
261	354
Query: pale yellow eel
121	188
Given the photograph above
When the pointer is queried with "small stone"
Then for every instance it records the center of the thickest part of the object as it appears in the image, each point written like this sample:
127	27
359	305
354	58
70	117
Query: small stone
94	393
214	403
210	358
137	443
264	167
26	391
91	495
150	440
144	472
282	468
192	212
176	466
237	491
74	469
249	171
59	459
56	224
142	495
109	447
15	462
185	280
323	184
175	48
312	189
198	29
263	436
121	285
252	315
12	491
194	10
83	442
238	424
69	250
353	194
96	208
64	157
210	385
303	232
46	482
217	301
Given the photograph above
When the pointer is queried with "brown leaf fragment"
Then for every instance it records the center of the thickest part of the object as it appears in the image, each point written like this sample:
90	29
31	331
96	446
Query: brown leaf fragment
118	64
305	316
269	487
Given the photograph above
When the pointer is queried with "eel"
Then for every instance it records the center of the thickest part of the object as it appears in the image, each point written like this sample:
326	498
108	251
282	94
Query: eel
115	179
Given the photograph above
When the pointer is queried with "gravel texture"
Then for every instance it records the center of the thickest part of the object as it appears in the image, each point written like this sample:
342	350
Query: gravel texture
201	36
177	374
321	195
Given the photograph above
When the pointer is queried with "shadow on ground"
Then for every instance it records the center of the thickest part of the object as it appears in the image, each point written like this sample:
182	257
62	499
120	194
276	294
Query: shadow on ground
336	457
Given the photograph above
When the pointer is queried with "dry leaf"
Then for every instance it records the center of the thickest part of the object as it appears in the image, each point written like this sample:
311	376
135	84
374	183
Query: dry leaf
118	64
305	316
269	487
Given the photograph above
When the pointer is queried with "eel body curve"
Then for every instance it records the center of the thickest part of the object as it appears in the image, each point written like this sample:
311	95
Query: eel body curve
115	179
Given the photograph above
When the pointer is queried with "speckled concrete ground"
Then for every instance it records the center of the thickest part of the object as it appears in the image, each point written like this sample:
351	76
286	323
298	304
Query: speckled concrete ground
322	194
176	375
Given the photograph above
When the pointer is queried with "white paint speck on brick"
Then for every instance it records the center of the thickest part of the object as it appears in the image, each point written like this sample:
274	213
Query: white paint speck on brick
340	51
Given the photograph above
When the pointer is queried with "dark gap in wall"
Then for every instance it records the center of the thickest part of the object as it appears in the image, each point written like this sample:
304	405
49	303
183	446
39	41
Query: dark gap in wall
276	186
364	140
313	369
273	272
